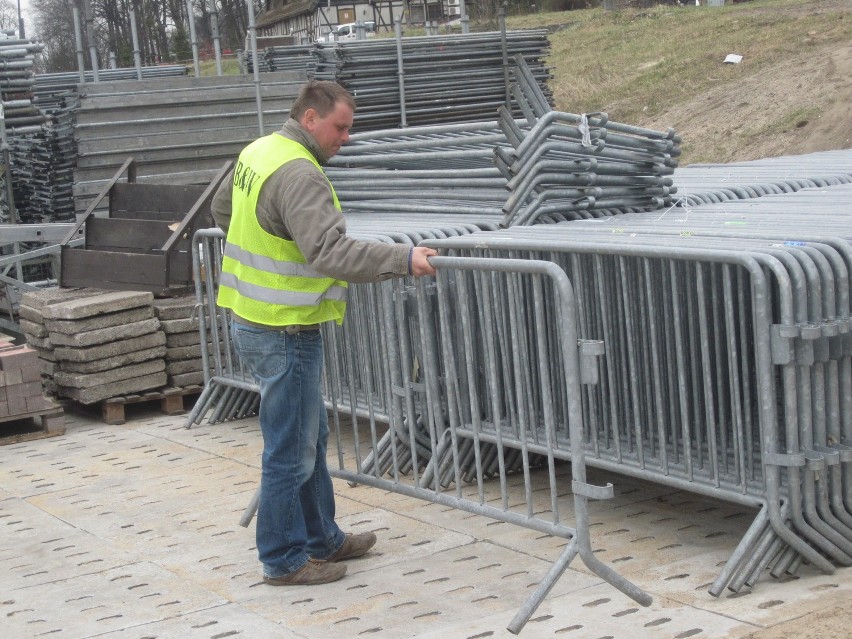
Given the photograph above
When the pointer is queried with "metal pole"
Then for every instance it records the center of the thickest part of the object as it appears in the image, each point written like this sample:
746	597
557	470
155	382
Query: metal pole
78	36
193	39
90	34
502	18
400	73
21	33
137	58
113	64
255	66
10	195
465	21
214	30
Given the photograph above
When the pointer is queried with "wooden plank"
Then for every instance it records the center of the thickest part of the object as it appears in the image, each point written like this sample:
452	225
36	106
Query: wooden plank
107	269
166	198
118	234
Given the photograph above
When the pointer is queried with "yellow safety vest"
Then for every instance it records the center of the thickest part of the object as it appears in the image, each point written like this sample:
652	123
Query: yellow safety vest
266	279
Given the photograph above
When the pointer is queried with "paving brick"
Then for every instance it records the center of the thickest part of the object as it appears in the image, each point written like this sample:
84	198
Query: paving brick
17	358
23	390
12	378
108	302
31	373
17	405
36	403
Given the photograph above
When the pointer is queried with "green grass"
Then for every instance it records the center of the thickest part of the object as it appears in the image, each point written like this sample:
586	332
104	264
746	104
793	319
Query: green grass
230	66
634	63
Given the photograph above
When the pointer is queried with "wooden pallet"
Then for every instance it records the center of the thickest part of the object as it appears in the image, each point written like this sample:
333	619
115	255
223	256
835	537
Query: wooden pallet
48	422
171	403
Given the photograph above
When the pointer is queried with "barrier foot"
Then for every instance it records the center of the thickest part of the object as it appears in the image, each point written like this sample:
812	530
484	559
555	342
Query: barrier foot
251	509
544	587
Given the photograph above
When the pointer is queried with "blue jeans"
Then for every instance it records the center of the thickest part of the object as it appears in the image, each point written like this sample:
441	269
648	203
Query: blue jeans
295	514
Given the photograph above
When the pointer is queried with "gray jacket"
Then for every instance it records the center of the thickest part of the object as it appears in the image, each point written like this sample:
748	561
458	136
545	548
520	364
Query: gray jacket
295	203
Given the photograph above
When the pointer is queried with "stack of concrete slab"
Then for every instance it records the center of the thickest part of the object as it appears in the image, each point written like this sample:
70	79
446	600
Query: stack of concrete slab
103	344
31	320
184	366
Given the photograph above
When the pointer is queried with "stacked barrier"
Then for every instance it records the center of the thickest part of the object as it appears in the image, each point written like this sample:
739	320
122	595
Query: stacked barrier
714	339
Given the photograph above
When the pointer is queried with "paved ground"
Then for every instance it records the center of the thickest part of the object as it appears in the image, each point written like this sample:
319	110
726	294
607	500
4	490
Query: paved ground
132	531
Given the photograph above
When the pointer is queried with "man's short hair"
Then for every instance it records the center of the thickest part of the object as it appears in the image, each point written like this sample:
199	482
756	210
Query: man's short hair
321	96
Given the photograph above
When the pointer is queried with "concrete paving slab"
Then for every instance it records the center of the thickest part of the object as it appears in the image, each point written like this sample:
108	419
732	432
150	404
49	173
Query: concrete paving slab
102	302
105	335
404	597
161	503
229	620
105	320
85	605
600	612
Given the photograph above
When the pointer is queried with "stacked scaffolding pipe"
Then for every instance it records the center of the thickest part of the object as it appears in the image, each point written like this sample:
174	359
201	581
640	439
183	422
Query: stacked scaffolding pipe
17	58
453	78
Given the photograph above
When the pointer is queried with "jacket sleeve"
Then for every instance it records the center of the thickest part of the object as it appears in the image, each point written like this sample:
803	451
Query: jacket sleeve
220	207
319	229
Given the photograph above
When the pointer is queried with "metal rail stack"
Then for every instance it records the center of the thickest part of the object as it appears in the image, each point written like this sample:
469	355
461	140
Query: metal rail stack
294	57
453	78
16	84
726	369
566	166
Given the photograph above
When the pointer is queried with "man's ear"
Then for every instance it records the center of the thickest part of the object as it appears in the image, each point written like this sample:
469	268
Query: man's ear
309	119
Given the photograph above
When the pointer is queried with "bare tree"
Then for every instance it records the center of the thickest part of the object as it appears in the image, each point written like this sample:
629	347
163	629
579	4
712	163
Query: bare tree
8	15
162	28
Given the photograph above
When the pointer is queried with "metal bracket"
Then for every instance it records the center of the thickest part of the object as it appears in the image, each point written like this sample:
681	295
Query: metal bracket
783	459
590	351
591	491
781	343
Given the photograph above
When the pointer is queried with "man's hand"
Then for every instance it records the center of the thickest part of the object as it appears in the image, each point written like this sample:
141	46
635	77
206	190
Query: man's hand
419	263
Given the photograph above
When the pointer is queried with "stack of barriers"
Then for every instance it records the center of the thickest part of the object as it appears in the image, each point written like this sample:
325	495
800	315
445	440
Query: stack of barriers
727	369
714	344
391	373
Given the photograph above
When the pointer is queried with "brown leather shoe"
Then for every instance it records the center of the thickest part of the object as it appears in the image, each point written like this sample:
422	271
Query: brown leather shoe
353	546
312	573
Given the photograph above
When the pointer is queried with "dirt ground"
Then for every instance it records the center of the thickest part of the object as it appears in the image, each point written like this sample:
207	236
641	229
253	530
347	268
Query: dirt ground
833	623
801	105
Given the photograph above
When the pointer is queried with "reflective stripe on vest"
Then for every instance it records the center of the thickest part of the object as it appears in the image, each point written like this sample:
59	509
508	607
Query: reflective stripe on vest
265	278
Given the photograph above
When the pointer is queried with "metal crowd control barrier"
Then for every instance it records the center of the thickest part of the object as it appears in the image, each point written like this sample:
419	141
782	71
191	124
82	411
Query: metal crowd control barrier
229	391
454	325
726	374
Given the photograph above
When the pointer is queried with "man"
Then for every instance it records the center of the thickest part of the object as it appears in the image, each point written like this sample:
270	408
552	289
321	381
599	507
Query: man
285	270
